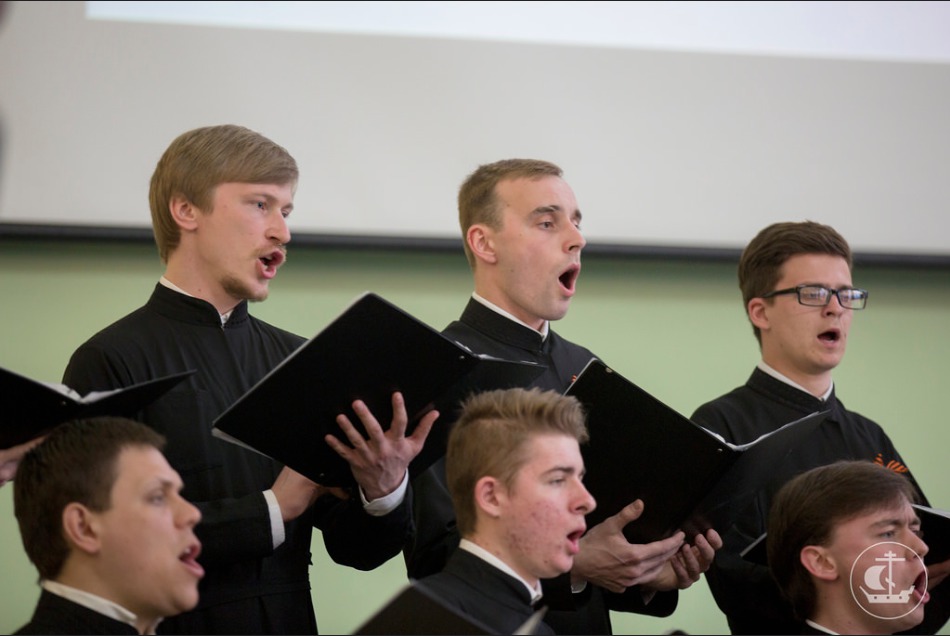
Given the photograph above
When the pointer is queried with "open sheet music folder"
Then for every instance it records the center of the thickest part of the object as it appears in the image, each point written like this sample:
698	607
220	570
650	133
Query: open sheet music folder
35	408
688	477
371	350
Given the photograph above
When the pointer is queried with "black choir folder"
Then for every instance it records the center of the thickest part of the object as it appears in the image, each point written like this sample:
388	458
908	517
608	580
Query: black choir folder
371	350
34	408
688	477
417	610
935	529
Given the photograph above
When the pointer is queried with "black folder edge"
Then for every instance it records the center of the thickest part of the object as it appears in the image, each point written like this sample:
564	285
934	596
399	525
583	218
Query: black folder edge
253	420
415	609
934	525
686	500
935	528
37	407
757	551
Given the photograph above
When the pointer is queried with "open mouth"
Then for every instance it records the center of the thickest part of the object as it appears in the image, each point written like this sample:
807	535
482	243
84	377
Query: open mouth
575	537
832	335
190	558
920	588
273	260
568	278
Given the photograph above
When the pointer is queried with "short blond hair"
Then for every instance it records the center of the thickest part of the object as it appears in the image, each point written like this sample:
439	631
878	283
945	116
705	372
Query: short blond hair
491	434
477	200
199	160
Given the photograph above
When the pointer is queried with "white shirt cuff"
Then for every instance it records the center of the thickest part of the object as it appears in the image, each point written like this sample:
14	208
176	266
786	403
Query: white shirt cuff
276	519
384	505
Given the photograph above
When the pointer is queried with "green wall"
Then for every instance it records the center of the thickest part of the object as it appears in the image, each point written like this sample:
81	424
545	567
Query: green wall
676	328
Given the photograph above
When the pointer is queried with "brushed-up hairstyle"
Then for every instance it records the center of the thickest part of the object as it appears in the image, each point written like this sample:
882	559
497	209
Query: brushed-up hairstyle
491	436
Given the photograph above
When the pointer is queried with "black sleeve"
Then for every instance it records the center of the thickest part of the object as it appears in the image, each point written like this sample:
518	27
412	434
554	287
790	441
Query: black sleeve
357	539
660	604
435	535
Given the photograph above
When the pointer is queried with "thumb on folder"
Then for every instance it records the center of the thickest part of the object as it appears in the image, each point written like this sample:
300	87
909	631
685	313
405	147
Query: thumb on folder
608	560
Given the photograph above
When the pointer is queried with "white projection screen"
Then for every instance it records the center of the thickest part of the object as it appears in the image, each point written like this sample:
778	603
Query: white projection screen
683	127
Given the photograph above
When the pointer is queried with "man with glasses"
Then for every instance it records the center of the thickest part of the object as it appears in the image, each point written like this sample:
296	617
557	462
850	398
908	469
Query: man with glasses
796	286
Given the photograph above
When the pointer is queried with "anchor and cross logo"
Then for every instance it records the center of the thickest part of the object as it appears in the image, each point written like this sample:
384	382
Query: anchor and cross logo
879	586
872	578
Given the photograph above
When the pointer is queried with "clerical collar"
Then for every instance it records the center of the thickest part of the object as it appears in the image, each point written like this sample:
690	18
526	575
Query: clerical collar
765	368
544	328
821	629
485	555
96	603
170	285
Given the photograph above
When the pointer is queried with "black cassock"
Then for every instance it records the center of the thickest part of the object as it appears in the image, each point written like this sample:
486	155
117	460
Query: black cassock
57	615
746	592
249	587
478	589
485	331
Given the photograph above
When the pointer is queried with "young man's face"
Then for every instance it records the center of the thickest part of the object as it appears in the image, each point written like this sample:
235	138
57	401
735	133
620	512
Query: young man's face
890	568
538	249
241	241
798	340
543	512
148	549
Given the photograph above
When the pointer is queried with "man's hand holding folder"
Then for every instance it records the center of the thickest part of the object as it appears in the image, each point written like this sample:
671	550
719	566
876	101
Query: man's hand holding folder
687	480
379	461
607	559
357	402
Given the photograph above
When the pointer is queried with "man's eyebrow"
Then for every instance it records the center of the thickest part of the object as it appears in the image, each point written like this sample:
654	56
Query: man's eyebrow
272	199
554	208
570	470
885	522
166	483
896	521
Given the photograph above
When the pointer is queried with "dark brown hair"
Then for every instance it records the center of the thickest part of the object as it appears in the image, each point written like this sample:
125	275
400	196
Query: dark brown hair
760	266
809	507
76	463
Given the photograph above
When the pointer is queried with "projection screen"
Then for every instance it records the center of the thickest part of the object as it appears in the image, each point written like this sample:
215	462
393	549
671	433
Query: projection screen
682	126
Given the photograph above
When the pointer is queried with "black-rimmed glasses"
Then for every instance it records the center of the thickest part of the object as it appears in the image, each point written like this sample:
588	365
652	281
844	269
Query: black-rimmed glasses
818	296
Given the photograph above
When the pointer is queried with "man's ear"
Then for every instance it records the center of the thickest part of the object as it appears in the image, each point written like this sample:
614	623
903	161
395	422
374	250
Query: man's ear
183	212
81	528
480	239
817	560
489	496
756	309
